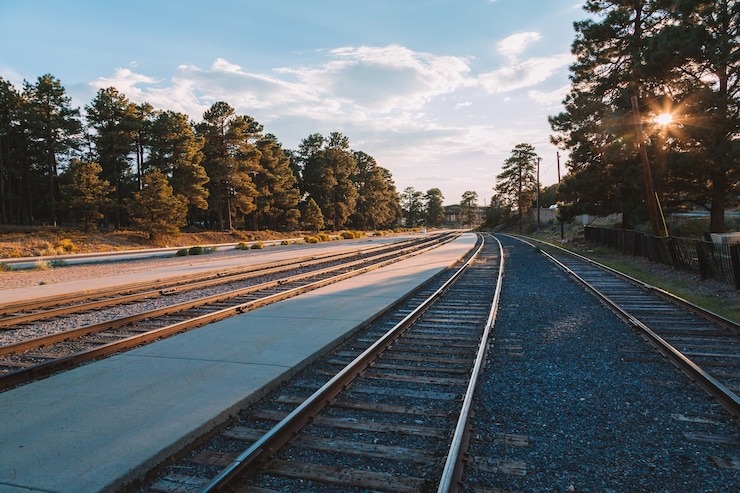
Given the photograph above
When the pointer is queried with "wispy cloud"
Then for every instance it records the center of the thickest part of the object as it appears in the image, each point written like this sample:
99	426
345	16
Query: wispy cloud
393	102
513	46
523	74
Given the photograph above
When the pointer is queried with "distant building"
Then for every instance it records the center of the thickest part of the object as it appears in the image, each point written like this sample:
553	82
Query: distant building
454	217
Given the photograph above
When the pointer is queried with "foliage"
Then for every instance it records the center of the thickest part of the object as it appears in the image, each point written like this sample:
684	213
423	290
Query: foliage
327	166
377	199
434	211
313	217
228	172
277	189
85	194
468	204
516	185
676	57
156	209
412	206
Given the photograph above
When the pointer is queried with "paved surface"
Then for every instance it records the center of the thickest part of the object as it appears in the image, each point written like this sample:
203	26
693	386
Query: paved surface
87	429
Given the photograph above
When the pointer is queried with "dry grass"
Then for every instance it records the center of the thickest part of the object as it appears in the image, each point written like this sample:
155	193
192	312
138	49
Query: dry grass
34	242
711	295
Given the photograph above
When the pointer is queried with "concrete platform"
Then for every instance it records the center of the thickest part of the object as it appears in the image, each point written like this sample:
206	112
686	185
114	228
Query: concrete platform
88	429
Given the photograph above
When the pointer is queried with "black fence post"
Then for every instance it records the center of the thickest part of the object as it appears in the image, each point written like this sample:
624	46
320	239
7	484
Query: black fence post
735	261
703	262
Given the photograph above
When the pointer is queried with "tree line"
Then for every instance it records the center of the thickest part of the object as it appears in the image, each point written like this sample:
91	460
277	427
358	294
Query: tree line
120	164
677	58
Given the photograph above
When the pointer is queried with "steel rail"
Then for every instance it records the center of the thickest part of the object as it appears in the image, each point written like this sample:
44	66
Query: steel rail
186	305
180	286
43	369
262	452
451	480
723	395
709	315
167	283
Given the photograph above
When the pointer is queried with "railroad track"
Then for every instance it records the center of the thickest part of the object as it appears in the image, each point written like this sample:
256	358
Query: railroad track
31	310
702	344
386	411
240	291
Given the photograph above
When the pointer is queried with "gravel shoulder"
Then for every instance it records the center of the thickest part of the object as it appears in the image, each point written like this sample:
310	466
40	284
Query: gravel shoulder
601	412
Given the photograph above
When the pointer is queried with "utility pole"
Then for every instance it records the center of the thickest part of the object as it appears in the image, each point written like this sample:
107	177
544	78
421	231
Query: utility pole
647	177
538	193
560	219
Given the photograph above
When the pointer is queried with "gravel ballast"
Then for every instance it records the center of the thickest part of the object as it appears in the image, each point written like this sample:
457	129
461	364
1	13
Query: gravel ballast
602	411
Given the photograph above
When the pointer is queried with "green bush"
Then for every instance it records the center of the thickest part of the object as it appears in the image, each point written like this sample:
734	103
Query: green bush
258	245
324	237
242	246
285	242
183	252
199	250
311	239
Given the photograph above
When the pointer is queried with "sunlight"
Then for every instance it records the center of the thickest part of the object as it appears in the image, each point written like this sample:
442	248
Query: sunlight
664	119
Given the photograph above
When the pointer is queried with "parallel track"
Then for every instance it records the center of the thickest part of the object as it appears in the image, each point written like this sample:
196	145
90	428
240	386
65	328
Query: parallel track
392	415
702	344
42	356
35	309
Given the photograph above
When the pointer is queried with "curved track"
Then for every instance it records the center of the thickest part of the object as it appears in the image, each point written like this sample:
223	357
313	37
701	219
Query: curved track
702	344
387	411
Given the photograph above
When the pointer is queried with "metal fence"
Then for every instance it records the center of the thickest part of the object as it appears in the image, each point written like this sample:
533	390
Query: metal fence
718	261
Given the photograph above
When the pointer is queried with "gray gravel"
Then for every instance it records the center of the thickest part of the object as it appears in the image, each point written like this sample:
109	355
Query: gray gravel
602	411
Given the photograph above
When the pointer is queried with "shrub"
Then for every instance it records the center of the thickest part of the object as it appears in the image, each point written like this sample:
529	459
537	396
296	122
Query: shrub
65	246
196	250
324	237
285	242
43	249
183	252
258	245
242	246
311	239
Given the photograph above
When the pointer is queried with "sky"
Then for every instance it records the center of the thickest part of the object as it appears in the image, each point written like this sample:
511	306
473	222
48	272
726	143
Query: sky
437	91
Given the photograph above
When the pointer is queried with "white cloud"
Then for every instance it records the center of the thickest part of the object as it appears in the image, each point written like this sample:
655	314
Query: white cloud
513	46
393	102
523	74
550	98
366	79
125	81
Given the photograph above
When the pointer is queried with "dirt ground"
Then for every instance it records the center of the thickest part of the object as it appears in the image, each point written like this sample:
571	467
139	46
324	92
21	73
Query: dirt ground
32	242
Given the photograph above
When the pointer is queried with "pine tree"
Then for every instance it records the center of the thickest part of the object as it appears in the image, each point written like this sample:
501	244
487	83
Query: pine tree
434	207
230	159
516	185
277	192
53	130
156	209
112	117
377	198
327	170
86	193
314	218
177	152
468	204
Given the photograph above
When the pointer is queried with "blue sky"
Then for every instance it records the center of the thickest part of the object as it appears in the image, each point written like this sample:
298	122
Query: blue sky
438	91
